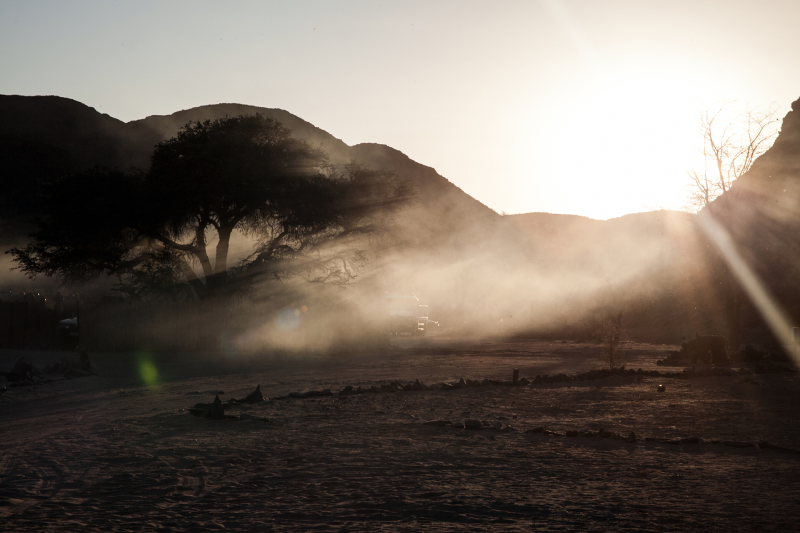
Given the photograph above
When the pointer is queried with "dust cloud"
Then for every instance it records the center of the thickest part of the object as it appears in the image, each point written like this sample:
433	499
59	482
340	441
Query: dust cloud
536	275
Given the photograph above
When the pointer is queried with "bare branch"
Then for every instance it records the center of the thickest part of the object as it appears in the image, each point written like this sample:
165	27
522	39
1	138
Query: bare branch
731	149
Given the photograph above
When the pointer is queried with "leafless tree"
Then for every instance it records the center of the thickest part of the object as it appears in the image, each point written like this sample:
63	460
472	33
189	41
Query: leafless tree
730	146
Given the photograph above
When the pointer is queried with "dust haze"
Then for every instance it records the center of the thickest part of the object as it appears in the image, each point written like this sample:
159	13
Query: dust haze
528	275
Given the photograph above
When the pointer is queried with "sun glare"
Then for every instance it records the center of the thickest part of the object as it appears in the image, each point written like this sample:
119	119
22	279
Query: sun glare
631	139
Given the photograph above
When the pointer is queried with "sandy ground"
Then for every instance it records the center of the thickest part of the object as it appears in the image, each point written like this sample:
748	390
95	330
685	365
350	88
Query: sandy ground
114	453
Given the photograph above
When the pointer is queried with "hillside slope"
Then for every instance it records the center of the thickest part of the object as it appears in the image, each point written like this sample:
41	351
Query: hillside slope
473	265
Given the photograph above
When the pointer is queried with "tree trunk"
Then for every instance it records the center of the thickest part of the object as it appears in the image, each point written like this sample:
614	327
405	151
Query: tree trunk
221	261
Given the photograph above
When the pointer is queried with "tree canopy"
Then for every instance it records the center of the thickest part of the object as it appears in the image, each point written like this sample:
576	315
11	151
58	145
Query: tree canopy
301	214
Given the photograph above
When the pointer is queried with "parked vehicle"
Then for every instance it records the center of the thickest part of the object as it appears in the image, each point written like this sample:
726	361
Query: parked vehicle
406	314
68	333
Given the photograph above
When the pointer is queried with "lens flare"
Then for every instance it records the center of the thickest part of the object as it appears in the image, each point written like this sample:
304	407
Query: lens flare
147	370
769	309
288	319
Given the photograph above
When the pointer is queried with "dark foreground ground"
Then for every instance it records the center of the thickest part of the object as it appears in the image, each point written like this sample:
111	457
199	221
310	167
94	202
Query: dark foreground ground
111	453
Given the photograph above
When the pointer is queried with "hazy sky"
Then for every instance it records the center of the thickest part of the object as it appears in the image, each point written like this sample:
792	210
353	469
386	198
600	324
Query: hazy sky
582	107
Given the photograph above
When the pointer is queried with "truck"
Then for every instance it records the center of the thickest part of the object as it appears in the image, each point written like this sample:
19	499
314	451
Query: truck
406	315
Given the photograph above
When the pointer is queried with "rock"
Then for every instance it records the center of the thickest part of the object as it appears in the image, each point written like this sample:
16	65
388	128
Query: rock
498	426
255	396
85	365
201	409
661	388
631	437
738	444
573	433
535	430
765	444
420	386
691	440
471	423
217	412
438	423
347	390
318	393
445	386
20	371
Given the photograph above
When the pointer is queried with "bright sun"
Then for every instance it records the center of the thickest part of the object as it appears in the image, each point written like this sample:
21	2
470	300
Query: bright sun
630	139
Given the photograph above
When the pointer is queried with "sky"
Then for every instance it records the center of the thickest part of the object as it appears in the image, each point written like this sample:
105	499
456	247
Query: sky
574	107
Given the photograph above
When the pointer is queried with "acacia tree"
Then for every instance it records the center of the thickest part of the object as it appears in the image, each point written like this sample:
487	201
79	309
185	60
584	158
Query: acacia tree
729	149
153	230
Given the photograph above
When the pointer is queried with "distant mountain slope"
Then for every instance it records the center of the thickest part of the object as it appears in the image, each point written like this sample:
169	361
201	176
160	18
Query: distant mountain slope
435	191
90	137
560	231
81	131
147	132
459	254
443	220
614	248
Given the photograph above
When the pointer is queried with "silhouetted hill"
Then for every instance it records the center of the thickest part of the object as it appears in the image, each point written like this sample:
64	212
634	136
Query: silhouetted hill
147	132
447	205
657	245
62	136
585	239
474	264
761	213
86	135
451	205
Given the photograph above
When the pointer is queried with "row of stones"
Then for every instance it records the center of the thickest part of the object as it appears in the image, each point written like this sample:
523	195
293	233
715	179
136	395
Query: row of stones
472	424
417	385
